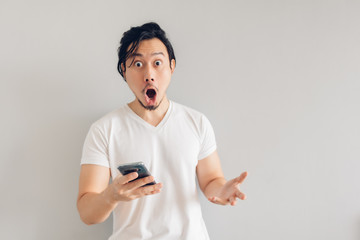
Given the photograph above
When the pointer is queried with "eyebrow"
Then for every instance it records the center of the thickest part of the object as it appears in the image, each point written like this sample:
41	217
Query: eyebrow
140	55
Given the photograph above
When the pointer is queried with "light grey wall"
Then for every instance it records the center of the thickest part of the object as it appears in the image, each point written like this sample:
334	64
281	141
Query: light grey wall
279	80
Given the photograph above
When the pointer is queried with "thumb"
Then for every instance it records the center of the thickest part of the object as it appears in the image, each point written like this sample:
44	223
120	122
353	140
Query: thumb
123	179
240	179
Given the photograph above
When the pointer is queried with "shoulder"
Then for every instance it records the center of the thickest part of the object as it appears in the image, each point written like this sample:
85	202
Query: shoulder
193	116
180	109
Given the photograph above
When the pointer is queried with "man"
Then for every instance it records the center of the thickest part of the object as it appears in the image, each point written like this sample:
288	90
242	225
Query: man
176	143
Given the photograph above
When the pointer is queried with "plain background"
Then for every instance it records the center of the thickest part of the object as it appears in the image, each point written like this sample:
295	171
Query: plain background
279	81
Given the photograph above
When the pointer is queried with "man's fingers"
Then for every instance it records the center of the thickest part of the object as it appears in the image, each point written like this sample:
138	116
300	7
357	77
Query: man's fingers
140	182
232	201
125	189
240	195
126	178
241	178
152	189
217	200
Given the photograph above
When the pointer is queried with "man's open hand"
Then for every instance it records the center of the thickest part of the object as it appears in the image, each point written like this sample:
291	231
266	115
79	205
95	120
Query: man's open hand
228	193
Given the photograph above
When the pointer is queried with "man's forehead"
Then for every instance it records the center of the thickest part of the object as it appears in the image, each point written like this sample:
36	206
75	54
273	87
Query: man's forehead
150	47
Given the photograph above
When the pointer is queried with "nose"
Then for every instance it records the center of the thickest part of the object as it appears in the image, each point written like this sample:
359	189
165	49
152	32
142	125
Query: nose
149	74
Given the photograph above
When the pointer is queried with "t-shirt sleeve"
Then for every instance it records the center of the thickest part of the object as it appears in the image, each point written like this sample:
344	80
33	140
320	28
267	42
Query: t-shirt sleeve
95	150
207	138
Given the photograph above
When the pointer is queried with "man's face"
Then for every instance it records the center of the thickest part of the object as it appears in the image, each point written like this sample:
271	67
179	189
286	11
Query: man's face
148	73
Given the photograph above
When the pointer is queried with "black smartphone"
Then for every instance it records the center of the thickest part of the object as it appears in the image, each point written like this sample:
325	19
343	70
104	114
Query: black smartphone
138	167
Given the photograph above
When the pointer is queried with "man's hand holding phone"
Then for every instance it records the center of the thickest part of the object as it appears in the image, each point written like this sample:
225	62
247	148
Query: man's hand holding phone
132	185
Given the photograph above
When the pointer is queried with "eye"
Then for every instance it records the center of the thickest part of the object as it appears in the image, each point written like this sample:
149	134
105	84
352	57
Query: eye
138	64
158	63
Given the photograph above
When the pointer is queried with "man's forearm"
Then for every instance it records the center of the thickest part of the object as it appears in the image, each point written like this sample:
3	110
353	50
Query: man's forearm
95	207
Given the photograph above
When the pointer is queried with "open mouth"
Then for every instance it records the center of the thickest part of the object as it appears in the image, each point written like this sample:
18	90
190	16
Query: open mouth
151	93
150	96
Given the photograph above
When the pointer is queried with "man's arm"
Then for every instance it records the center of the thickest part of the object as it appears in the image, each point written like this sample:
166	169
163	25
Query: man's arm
97	198
213	184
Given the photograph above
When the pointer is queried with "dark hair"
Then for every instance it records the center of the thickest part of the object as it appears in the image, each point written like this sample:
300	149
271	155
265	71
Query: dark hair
134	36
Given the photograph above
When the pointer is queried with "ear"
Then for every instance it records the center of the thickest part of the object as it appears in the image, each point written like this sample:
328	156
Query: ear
123	70
172	65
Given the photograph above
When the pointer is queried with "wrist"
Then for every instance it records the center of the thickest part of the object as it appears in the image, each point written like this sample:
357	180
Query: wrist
214	187
109	196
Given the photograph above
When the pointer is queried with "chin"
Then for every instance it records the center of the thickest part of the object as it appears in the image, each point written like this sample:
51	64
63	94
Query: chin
149	107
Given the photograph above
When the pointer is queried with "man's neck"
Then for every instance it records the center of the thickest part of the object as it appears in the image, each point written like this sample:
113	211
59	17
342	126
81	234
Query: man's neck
153	117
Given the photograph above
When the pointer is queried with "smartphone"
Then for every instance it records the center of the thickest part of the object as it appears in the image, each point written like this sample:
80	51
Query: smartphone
138	167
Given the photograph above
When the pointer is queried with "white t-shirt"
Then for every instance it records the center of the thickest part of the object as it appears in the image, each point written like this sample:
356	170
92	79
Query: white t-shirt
171	152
